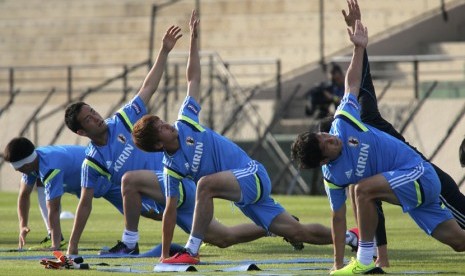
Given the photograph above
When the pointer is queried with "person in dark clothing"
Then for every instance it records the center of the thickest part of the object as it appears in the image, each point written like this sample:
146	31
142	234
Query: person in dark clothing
450	195
321	97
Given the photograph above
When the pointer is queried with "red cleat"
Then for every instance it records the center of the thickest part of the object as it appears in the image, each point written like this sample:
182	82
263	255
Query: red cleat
182	257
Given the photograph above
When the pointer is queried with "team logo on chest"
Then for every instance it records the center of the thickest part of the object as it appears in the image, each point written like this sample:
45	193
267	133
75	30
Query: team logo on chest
190	141
121	138
353	142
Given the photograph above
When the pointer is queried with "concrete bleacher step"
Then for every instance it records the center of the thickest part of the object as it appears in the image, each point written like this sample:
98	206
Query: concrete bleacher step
72	29
82	8
447	48
293	126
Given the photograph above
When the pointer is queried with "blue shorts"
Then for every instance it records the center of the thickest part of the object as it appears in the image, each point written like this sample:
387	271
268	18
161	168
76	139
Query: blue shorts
186	202
256	202
53	191
418	191
186	205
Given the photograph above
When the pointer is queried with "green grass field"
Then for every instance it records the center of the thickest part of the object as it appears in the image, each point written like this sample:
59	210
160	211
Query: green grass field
409	248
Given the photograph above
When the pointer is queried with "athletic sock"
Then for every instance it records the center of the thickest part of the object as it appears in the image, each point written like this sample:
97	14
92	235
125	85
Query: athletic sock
193	245
43	207
130	238
365	252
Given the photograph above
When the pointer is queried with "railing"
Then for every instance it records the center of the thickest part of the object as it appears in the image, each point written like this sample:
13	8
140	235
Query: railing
418	68
77	83
221	101
424	76
264	139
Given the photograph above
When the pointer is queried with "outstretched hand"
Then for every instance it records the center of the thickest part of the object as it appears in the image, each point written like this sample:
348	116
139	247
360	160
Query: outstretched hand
171	37
359	36
194	24
353	15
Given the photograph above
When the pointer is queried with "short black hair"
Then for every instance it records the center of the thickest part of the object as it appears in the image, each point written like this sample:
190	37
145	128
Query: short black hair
305	150
17	149
71	113
462	153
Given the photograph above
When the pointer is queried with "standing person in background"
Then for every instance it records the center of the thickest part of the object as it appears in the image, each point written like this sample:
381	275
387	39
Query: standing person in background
391	171
450	195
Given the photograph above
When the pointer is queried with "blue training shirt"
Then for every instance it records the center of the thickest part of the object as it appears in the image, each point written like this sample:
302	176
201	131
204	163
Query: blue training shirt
59	170
119	155
202	151
366	151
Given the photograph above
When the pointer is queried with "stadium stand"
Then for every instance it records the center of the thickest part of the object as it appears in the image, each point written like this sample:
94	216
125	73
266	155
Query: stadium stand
258	51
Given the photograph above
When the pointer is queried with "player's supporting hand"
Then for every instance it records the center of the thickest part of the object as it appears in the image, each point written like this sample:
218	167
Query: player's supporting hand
353	15
22	236
359	36
171	37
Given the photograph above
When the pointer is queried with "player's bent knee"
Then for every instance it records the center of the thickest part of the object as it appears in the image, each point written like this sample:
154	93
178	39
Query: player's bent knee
204	187
127	188
128	178
362	192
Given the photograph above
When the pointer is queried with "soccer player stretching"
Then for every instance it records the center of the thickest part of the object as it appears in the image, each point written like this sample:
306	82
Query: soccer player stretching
220	168
382	168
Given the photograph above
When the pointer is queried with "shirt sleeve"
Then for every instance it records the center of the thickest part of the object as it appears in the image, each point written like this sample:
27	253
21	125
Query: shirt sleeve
53	183
171	181
132	112
190	110
91	172
337	195
349	111
349	104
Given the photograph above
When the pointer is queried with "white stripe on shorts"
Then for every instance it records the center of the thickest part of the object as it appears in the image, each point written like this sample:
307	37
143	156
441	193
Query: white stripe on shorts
407	178
252	169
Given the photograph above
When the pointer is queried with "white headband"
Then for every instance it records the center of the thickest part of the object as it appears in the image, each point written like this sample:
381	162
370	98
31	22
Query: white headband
18	164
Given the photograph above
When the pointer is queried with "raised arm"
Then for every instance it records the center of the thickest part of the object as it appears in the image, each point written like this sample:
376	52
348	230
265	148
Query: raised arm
367	95
359	37
153	78
193	71
353	14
